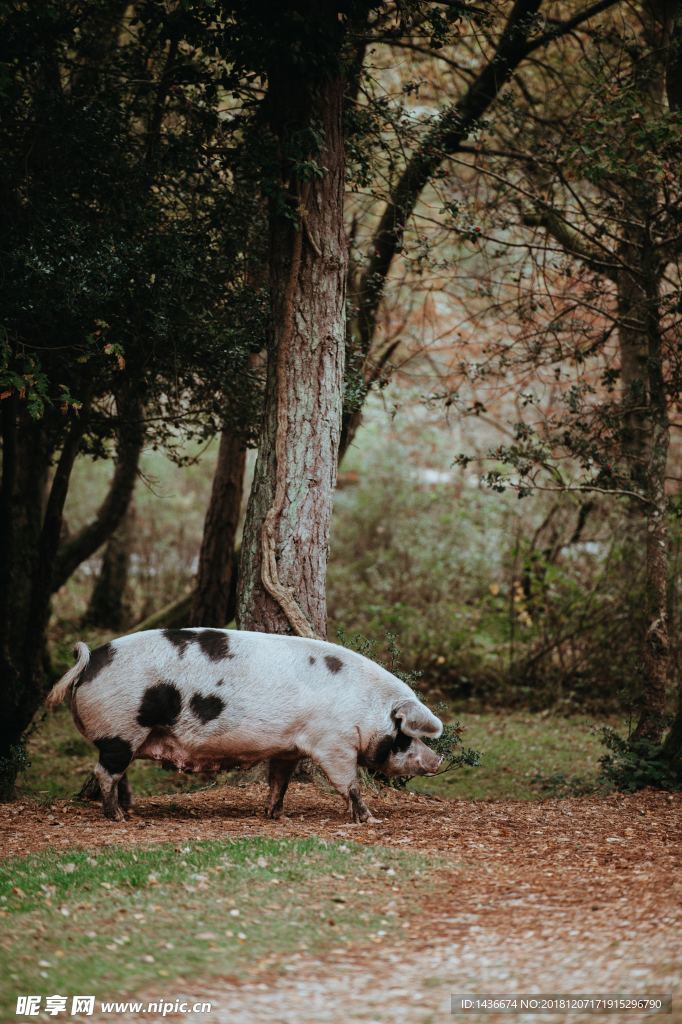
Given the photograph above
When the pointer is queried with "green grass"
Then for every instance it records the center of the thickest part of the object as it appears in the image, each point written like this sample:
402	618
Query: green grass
113	921
524	756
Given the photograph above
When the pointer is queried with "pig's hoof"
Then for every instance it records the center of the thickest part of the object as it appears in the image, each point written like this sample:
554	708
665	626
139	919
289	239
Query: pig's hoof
364	818
114	814
90	790
273	813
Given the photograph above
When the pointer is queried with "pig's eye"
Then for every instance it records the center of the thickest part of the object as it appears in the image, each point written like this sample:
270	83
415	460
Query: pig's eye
401	742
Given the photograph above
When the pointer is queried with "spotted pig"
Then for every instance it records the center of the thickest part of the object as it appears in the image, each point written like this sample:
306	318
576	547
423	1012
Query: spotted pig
204	700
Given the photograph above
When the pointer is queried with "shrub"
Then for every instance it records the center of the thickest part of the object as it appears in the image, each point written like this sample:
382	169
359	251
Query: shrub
632	764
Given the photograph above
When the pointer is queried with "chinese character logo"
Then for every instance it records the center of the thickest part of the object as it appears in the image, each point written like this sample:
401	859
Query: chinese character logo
55	1005
28	1006
83	1004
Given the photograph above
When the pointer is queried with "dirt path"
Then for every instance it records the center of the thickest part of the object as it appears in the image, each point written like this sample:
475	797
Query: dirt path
398	986
577	895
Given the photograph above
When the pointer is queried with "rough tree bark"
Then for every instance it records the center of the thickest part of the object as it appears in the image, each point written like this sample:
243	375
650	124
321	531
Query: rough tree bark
286	535
214	597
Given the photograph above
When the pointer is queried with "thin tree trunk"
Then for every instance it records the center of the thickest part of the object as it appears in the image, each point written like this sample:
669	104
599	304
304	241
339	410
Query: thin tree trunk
653	447
656	659
672	748
645	447
214	596
647	428
286	535
83	544
107	607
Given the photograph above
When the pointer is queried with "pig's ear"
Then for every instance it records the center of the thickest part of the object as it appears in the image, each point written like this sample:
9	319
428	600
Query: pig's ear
416	719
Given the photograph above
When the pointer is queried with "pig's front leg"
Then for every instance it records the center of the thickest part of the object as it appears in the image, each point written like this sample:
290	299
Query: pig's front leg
341	768
359	810
125	793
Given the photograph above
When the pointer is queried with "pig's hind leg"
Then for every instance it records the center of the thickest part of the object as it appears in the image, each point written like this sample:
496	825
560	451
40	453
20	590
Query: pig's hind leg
91	790
280	770
115	754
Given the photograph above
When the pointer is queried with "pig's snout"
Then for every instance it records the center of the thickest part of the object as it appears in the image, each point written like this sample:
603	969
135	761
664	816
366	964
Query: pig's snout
430	765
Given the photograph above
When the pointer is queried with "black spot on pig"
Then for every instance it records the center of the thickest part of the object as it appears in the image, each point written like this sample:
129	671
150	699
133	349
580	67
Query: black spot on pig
100	658
206	708
219	682
401	742
161	704
311	659
115	754
377	753
333	663
214	643
180	638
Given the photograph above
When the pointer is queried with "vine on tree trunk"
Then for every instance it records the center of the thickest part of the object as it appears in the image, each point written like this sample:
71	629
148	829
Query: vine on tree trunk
283	595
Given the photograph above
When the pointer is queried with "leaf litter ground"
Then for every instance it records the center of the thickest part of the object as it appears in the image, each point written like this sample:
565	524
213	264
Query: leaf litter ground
578	895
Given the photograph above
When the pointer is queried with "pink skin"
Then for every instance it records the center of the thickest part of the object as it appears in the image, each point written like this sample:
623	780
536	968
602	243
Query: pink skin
418	759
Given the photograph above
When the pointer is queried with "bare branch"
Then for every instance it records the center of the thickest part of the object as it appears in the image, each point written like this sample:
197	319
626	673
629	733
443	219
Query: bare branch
585	489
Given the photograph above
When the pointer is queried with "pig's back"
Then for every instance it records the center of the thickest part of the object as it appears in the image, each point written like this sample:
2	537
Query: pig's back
259	681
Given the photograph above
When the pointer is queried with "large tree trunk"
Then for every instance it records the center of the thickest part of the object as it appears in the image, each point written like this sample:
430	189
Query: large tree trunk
107	607
31	520
214	596
286	536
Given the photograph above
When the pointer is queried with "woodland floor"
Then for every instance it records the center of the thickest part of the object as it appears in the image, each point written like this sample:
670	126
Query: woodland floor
575	895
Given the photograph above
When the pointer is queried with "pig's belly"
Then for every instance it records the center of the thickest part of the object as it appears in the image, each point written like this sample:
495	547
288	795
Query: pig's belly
172	753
